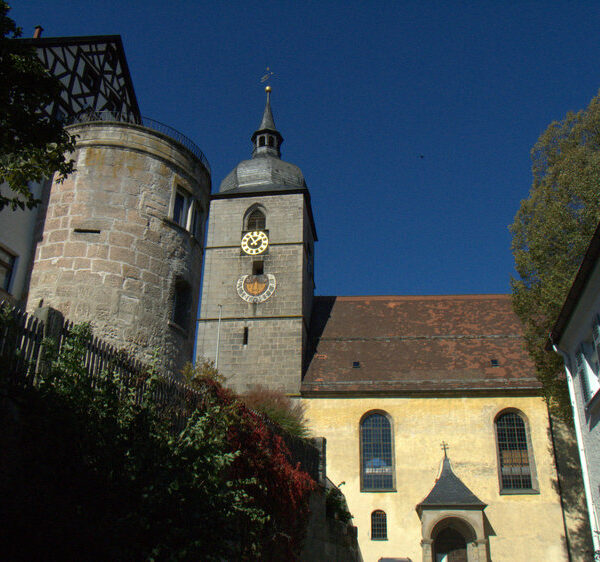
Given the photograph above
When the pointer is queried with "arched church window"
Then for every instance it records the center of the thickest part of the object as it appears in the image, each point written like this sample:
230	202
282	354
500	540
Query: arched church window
376	453
514	458
271	141
261	141
378	525
256	220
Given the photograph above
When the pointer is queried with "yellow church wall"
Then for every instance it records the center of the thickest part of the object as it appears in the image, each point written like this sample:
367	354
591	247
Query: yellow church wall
526	527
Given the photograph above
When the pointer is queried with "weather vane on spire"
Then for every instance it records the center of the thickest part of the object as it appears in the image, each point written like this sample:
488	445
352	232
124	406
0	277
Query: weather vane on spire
267	78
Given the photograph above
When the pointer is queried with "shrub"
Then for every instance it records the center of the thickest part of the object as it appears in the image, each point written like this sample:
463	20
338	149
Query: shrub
92	467
279	408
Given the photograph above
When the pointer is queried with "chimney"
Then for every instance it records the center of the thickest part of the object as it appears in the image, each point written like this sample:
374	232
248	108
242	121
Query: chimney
38	32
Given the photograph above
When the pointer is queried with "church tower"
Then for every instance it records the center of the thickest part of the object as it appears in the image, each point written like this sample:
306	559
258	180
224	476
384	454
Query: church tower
258	274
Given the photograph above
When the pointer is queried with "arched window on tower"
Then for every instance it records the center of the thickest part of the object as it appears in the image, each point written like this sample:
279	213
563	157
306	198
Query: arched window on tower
378	525
515	461
376	453
256	220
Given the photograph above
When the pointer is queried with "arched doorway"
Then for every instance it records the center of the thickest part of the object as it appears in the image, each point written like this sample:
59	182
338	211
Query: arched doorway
451	539
450	546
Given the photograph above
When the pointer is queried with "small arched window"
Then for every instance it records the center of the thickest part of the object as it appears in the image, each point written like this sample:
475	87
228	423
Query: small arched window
256	220
261	141
378	526
271	141
514	458
376	453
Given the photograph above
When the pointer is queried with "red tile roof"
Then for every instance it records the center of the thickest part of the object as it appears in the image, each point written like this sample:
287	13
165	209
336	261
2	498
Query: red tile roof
407	344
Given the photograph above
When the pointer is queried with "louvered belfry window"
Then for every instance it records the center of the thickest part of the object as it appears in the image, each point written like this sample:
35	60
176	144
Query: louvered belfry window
377	466
515	467
256	220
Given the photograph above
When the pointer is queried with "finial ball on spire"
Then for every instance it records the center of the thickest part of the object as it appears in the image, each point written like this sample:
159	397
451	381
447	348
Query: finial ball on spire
268	89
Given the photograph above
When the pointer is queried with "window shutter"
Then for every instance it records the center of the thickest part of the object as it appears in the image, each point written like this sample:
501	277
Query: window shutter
582	374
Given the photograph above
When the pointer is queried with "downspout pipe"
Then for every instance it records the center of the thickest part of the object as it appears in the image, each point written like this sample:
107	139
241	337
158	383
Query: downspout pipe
582	456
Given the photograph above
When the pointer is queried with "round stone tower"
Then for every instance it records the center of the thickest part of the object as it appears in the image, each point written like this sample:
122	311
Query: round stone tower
123	239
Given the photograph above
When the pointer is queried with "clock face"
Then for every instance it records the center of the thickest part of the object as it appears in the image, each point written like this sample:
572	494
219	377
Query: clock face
256	288
255	242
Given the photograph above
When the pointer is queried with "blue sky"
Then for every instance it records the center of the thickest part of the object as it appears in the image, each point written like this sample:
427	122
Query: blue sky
361	91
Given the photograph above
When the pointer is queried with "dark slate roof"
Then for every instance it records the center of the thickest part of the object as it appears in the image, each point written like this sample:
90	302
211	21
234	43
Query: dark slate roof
263	173
449	490
416	344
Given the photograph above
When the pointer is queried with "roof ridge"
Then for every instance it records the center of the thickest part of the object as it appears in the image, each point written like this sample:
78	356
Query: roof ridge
478	296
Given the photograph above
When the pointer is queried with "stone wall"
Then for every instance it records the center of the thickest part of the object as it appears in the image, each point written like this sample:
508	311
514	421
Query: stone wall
277	327
110	253
327	539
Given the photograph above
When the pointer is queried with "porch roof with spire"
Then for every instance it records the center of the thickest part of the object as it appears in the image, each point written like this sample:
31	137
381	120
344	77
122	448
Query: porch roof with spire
450	491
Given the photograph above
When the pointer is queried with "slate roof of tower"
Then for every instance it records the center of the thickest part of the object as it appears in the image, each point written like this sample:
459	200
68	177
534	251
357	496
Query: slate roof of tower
265	171
449	490
416	344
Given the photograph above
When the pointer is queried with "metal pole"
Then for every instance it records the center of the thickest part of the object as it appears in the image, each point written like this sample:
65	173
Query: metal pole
218	337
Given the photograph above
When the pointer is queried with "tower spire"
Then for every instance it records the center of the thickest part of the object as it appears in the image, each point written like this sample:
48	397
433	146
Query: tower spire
267	121
267	139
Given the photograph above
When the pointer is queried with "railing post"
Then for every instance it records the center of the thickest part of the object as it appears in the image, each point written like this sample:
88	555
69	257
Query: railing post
52	321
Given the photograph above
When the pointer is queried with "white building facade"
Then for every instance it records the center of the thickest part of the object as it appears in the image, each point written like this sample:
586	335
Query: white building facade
576	336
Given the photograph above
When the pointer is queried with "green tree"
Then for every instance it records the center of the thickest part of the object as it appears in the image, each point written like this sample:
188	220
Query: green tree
33	146
552	230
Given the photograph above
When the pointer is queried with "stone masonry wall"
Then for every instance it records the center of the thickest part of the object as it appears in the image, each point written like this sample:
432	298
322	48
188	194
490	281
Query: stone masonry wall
110	254
277	327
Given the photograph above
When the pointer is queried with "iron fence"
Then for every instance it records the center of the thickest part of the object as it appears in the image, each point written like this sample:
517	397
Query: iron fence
91	116
22	351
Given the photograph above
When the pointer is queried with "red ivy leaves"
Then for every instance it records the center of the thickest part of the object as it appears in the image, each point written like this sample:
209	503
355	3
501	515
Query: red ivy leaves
280	489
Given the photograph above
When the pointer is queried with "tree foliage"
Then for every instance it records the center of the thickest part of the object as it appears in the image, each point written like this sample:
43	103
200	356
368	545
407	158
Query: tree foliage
279	408
92	468
33	146
552	230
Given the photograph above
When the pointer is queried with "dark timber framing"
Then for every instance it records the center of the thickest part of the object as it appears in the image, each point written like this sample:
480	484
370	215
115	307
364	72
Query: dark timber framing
94	73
